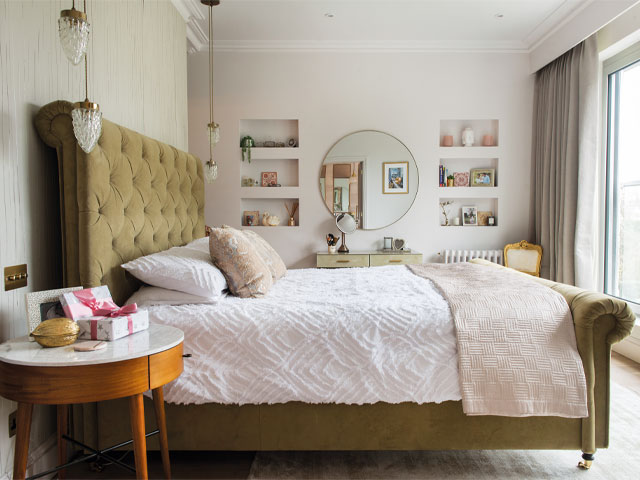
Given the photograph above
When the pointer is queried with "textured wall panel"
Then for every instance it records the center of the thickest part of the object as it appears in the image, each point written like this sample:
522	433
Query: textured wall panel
138	75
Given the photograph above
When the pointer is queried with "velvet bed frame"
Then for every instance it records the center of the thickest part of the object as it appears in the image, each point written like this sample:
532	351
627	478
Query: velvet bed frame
133	196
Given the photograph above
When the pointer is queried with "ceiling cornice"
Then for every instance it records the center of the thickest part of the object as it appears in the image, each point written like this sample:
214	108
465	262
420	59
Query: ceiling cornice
191	11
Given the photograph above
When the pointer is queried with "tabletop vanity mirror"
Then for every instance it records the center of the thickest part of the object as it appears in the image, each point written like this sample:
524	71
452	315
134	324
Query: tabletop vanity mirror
370	175
347	224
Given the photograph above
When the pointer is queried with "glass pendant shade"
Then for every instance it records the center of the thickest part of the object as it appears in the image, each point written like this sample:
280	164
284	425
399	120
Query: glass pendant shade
74	34
214	133
210	171
87	124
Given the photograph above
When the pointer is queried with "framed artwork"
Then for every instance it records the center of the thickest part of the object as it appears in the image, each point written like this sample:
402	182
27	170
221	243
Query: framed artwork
395	177
44	305
469	215
482	177
269	179
250	218
461	179
483	218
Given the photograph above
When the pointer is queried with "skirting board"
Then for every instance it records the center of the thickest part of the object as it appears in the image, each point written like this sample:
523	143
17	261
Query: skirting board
629	347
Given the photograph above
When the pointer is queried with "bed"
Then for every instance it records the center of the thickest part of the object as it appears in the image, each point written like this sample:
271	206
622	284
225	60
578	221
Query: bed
133	196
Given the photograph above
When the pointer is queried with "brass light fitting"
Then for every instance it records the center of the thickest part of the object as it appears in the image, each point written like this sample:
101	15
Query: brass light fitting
74	14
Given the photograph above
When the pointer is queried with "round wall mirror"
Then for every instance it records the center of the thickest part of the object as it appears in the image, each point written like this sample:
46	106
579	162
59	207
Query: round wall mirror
370	175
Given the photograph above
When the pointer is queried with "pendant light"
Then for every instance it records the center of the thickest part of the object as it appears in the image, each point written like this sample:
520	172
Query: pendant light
213	129
86	116
74	33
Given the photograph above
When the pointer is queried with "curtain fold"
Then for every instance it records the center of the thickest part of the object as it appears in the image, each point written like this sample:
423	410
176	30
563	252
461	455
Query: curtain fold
565	164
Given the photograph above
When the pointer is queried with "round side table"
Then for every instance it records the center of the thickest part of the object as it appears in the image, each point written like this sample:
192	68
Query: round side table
128	367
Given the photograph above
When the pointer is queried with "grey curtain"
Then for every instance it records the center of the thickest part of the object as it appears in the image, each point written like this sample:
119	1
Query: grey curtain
565	163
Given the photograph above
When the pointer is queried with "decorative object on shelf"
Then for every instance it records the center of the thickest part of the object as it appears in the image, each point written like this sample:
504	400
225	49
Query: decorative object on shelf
456	221
399	244
265	219
292	143
387	243
74	30
56	332
461	179
347	225
292	213
44	305
468	137
395	177
274	185
246	143
269	179
491	221
269	144
247	182
213	129
483	218
450	181
250	218
273	221
482	177
447	141
469	215
332	242
443	207
487	141
279	144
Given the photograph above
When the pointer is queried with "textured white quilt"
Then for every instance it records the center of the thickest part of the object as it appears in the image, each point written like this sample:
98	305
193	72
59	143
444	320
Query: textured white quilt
349	336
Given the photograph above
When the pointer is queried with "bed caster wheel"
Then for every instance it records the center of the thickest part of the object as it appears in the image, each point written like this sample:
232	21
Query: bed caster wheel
587	461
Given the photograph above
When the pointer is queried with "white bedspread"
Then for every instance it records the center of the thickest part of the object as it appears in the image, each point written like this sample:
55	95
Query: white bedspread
349	336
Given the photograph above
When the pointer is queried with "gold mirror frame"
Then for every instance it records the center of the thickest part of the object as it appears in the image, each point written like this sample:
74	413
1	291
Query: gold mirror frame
524	245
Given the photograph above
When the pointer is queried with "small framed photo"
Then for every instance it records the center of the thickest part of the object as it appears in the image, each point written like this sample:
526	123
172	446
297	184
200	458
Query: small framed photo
250	218
269	179
482	177
469	215
461	179
395	177
45	305
387	243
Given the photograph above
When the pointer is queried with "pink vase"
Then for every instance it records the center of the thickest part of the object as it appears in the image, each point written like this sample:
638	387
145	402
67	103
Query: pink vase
487	141
447	141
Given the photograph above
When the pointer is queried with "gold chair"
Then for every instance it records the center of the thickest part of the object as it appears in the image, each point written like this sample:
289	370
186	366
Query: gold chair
524	257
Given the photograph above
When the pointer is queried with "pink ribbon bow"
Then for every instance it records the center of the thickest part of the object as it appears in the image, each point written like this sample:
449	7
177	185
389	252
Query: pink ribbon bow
104	308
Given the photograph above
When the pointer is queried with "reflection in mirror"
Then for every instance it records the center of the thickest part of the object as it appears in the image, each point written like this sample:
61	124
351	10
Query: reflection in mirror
372	176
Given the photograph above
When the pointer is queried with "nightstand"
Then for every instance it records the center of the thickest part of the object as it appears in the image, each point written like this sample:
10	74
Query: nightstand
128	367
373	258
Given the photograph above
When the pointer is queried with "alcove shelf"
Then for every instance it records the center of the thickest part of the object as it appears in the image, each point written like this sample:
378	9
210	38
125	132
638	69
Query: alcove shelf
483	204
269	192
468	192
480	127
272	205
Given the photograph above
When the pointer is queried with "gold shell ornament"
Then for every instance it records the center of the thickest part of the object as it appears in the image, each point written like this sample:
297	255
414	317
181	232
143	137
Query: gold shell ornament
56	332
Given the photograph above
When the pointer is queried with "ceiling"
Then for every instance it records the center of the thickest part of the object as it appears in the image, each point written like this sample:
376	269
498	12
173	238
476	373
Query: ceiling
400	25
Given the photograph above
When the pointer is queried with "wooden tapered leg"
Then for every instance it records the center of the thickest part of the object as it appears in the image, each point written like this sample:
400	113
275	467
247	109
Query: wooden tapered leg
158	405
23	424
136	412
63	427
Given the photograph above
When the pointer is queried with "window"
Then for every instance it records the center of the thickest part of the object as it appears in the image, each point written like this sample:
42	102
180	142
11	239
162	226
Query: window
622	210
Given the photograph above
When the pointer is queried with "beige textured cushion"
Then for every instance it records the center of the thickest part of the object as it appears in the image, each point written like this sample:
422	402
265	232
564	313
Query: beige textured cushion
276	266
246	273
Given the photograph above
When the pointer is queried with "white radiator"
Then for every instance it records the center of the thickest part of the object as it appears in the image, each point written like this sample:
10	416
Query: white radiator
458	256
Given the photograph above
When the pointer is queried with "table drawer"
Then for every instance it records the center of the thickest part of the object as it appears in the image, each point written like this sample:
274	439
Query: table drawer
342	261
400	259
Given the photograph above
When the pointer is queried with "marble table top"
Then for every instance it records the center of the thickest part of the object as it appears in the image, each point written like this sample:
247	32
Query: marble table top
157	338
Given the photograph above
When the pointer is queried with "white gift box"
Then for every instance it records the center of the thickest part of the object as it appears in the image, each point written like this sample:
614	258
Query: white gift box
112	328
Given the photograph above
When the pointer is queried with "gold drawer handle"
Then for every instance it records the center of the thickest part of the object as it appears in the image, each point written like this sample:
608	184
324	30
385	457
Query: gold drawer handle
343	261
395	261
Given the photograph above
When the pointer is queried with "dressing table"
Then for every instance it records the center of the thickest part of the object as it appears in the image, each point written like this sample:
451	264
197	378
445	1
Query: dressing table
373	258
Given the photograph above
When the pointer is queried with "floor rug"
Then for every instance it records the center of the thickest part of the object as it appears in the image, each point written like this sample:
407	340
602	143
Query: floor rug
617	462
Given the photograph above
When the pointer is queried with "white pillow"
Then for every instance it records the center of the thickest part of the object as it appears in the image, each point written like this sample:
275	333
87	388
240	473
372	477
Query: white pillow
201	244
148	296
185	269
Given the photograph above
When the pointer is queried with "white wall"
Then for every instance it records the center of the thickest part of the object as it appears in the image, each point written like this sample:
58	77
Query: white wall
333	94
137	70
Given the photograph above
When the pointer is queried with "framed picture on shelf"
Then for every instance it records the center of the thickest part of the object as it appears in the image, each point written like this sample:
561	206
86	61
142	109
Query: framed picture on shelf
469	215
482	177
461	179
45	305
250	218
395	177
269	179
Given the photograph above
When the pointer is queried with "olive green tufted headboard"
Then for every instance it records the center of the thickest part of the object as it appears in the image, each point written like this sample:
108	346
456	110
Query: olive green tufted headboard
131	196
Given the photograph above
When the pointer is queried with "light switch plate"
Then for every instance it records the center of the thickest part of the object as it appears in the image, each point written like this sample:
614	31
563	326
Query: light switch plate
15	277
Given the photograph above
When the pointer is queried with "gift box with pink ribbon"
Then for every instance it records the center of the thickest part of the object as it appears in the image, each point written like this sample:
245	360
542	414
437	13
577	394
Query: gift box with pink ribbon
99	318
